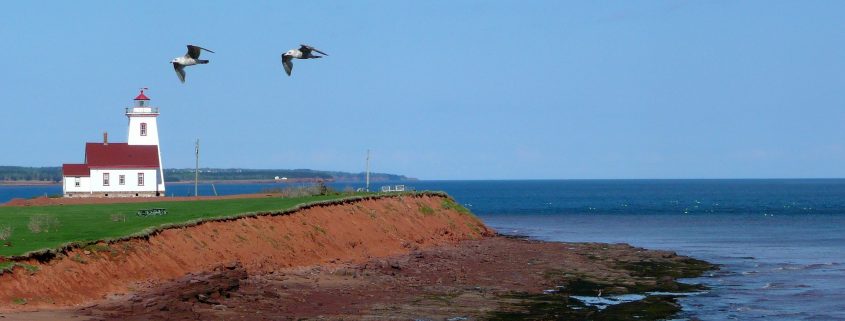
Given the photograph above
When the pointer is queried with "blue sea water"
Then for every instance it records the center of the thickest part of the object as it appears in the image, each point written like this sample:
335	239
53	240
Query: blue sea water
780	243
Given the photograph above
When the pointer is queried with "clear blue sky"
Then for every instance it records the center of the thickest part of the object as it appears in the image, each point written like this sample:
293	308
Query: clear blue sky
440	89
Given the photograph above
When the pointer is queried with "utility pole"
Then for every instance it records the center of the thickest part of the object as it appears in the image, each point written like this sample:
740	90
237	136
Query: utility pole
368	170
197	169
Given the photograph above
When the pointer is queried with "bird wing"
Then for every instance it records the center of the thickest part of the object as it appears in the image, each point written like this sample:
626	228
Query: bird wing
194	51
287	63
306	48
180	71
318	50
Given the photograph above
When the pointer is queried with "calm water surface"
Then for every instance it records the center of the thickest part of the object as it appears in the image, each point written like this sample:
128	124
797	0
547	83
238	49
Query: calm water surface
781	243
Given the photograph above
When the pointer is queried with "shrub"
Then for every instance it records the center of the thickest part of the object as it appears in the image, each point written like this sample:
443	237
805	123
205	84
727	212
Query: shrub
325	189
298	191
5	232
43	223
319	229
29	268
450	204
78	259
425	209
98	248
348	190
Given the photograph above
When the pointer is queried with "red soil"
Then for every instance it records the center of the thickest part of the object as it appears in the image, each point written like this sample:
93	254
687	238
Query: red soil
470	279
350	233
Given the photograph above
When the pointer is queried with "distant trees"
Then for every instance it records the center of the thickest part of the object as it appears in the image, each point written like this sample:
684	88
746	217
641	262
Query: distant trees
19	173
319	188
54	174
227	174
224	174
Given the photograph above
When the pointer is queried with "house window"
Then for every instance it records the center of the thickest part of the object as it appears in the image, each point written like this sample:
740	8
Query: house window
140	179
121	179
105	179
143	129
76	181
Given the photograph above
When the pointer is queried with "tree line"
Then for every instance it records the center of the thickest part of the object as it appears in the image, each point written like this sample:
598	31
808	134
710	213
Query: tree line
17	173
54	174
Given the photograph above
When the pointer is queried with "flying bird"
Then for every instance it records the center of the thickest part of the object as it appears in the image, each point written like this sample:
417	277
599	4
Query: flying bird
304	52
189	59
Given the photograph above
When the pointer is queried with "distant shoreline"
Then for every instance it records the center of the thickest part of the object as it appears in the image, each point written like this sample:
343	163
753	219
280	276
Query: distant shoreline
28	183
235	181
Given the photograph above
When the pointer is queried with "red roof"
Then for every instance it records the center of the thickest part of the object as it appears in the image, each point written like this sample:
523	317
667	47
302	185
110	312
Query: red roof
121	155
75	170
141	96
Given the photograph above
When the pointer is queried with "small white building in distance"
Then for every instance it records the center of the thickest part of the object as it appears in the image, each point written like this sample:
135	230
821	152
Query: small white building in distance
131	169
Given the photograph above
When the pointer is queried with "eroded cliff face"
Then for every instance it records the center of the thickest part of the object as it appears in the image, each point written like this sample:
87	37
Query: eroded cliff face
352	232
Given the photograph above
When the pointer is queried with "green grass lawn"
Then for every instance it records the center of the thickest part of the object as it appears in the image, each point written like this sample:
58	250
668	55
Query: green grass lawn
87	223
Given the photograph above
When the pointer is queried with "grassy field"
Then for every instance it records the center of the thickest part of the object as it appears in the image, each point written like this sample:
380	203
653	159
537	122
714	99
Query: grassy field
51	227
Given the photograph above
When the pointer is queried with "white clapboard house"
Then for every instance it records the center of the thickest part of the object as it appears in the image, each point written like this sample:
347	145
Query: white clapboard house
131	169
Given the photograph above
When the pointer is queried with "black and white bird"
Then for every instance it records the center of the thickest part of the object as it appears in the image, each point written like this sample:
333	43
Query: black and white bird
189	59
304	52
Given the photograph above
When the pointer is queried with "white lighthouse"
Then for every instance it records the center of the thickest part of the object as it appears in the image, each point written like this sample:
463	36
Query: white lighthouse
131	169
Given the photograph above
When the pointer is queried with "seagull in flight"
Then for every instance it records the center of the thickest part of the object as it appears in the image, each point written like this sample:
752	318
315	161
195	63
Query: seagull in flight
189	59
304	52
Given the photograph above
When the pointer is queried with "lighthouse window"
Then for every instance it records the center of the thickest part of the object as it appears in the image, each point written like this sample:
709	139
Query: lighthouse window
121	179
143	129
140	179
105	179
76	181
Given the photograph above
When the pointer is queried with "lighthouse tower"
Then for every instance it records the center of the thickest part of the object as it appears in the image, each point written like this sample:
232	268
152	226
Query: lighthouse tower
143	129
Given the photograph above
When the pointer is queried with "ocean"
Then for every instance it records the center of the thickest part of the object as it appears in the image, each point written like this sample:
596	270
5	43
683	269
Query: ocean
780	243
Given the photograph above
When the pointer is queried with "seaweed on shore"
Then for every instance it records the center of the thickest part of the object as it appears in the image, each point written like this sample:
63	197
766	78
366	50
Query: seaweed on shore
644	276
683	268
525	306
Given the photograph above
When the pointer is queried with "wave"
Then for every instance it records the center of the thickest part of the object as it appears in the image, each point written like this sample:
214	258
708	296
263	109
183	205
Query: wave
603	302
812	266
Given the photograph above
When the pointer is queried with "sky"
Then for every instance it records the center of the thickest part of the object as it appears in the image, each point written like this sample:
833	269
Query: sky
439	89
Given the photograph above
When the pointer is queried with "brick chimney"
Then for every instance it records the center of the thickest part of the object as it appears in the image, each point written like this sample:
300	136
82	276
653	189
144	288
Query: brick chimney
105	138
